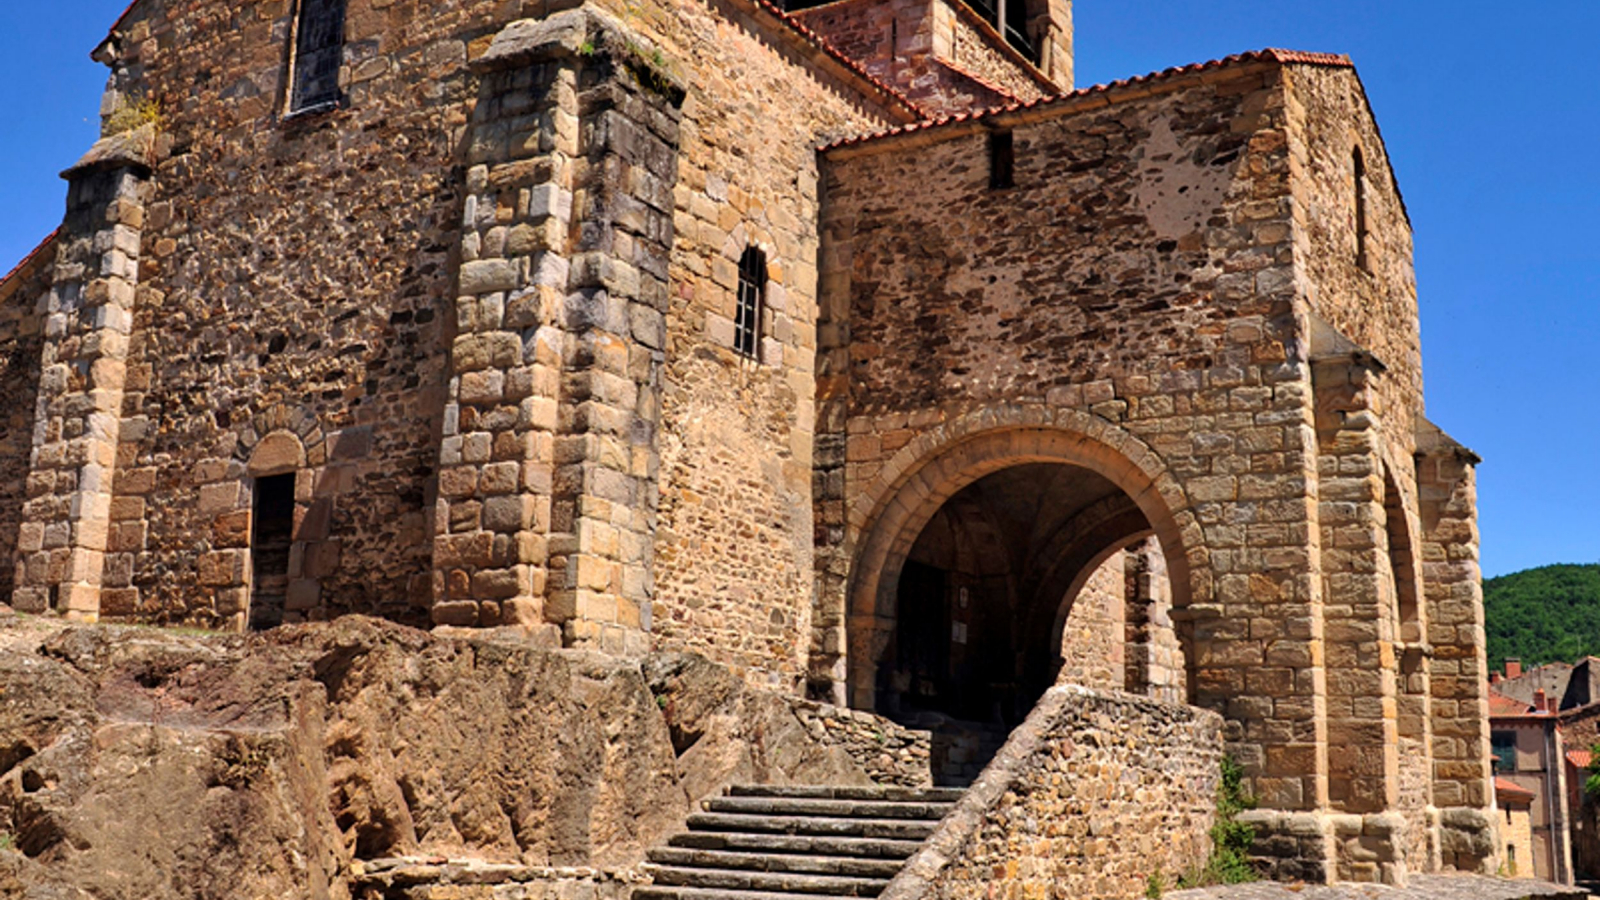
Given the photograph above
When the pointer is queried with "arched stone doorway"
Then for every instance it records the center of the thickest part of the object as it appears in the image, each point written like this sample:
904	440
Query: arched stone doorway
966	581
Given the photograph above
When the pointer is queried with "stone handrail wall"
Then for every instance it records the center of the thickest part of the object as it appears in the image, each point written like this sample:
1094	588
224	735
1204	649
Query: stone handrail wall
1092	794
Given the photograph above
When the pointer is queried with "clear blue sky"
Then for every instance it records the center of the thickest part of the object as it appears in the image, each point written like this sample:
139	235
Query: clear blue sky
1492	117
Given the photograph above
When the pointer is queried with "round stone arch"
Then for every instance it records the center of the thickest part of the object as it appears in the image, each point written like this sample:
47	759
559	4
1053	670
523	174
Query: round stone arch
912	486
1404	559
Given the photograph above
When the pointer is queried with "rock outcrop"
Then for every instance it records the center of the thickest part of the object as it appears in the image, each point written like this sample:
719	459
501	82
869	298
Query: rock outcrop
149	764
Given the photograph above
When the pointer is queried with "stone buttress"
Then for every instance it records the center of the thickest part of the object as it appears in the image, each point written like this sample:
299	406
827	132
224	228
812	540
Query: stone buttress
67	518
548	463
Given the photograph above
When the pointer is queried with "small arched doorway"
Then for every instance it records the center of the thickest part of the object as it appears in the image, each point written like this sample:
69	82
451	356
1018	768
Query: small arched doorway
981	560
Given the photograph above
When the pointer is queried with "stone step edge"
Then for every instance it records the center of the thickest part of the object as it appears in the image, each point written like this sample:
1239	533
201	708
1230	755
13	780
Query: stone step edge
828	809
782	882
898	849
848	792
679	892
739	861
750	824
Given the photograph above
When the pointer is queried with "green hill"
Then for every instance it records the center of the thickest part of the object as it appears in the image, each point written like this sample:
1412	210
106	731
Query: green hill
1541	615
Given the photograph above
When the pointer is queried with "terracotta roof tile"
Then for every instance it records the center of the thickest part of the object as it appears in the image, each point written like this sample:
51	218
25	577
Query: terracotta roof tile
1503	707
1268	55
1580	758
1511	790
32	255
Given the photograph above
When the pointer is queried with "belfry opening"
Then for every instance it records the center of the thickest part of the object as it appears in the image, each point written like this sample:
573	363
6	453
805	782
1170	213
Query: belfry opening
1034	575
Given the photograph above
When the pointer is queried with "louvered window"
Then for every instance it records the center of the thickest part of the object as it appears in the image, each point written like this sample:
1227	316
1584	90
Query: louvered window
319	49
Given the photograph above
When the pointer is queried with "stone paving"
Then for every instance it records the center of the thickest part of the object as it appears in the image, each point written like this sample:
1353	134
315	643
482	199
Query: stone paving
1421	887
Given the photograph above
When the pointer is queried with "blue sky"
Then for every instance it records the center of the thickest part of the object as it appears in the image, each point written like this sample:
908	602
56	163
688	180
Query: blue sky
1492	119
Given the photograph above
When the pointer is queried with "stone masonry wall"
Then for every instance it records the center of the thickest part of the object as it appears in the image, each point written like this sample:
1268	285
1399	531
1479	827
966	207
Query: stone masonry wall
1093	643
297	279
1134	288
347	353
1092	795
21	339
733	546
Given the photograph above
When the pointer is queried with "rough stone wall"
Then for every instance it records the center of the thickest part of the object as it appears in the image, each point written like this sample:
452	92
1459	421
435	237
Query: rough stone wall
21	340
1155	661
1092	795
320	303
733	555
297	278
1164	329
1094	642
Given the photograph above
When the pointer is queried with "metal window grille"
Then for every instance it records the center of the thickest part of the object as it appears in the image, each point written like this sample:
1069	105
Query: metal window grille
319	50
752	285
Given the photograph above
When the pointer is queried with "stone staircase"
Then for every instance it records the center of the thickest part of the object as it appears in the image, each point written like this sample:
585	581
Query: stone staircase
771	843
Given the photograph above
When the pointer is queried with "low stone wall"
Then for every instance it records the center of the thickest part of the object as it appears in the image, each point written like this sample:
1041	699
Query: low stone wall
1092	794
889	753
434	879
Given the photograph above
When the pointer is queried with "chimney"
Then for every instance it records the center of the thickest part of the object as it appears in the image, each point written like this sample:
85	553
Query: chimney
1494	677
1513	668
1541	703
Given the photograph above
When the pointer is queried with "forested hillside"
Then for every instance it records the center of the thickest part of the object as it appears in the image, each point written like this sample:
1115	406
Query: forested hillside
1541	615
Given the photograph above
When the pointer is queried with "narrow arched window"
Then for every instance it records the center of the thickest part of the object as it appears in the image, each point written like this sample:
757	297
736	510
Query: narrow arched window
318	53
752	299
1360	166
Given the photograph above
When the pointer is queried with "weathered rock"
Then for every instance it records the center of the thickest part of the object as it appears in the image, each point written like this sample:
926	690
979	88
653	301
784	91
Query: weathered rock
275	760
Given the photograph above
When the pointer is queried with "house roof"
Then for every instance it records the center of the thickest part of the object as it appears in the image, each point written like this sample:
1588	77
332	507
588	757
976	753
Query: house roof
1580	758
1268	55
1503	707
1510	790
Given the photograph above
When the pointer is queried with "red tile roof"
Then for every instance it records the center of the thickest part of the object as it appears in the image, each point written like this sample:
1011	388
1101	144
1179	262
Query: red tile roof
1580	758
1510	790
1268	55
1503	707
32	255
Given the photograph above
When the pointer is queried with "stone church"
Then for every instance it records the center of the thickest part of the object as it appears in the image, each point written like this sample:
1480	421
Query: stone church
846	344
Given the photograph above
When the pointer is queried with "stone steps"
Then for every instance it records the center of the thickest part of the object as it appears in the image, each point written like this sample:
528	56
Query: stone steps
836	809
853	867
795	843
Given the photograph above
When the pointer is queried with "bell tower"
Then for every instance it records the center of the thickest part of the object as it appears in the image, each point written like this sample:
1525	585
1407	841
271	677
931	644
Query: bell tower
952	56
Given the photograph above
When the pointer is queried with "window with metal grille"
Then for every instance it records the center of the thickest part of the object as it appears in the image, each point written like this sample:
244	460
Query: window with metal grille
752	288
319	50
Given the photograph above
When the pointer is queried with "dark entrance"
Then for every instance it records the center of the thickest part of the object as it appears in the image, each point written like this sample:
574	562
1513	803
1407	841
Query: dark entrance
978	608
271	538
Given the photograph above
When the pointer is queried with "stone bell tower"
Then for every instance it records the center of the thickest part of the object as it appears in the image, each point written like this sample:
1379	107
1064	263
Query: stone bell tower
952	56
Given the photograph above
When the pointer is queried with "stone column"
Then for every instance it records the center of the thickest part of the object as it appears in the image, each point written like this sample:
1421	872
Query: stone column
1463	784
1361	631
88	323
